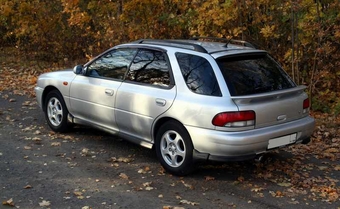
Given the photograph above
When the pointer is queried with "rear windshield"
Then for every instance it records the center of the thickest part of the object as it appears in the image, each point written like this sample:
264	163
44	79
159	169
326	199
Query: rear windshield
253	74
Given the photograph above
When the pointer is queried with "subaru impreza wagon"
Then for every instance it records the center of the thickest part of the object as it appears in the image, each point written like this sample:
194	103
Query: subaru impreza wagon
188	100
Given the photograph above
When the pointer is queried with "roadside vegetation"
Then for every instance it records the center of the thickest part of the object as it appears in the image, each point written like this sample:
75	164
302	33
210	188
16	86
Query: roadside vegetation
302	34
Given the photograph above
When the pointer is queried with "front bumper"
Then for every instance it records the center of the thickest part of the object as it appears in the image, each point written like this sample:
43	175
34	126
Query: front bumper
230	146
39	93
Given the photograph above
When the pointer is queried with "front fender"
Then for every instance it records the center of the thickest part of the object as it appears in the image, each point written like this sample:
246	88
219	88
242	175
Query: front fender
60	80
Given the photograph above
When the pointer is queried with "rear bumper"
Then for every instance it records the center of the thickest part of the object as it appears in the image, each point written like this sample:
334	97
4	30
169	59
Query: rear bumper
231	146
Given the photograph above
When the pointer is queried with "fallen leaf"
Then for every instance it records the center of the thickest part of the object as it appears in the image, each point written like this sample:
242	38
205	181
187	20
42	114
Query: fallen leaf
85	152
284	184
120	159
187	185
12	100
123	176
115	165
124	159
26	103
9	202
147	184
55	144
36	139
276	194
144	170
28	187
78	193
257	189
27	147
45	203
209	178
322	168
26	129
148	188
188	202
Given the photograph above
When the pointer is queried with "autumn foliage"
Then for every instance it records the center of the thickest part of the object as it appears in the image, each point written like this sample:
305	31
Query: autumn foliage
302	34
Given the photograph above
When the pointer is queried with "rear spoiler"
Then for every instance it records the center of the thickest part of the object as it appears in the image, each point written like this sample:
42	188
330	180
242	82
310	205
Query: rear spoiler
274	94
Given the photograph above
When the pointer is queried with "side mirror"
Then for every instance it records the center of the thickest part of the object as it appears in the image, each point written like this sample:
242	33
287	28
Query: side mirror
78	69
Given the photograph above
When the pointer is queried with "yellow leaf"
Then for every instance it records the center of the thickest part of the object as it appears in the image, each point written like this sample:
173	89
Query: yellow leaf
123	176
337	168
9	202
77	193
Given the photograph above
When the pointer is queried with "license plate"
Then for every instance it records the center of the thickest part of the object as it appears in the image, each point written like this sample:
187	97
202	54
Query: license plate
282	141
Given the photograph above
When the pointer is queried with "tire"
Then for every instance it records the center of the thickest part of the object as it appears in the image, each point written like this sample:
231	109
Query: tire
56	112
174	149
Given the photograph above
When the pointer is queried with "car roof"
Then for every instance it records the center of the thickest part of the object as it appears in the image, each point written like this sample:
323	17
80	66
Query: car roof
204	45
216	47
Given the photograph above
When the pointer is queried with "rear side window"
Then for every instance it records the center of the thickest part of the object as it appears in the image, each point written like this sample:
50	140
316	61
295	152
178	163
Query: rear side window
150	67
198	74
252	74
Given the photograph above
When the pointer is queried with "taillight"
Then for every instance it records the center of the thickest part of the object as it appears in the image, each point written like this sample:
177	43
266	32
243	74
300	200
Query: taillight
306	105
234	119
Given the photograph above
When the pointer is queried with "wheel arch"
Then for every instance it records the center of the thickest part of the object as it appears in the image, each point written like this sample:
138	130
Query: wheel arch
47	90
162	121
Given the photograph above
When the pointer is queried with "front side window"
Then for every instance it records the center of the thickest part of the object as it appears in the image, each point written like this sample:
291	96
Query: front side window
150	67
113	64
198	74
253	73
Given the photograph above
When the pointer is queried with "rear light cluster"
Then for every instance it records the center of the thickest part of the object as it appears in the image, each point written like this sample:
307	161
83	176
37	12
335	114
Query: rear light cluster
234	119
306	105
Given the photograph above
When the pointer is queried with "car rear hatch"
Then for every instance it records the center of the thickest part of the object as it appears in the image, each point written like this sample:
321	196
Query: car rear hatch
257	83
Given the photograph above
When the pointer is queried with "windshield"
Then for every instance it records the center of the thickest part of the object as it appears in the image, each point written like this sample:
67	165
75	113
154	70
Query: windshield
247	74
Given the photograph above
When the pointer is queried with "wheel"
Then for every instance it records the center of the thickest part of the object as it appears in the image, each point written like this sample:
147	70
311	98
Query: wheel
174	149
56	112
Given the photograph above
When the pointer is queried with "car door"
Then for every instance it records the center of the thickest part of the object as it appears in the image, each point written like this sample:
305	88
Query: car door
147	92
92	96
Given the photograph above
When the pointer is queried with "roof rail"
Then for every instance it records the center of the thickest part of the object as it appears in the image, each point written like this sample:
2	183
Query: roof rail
228	41
176	43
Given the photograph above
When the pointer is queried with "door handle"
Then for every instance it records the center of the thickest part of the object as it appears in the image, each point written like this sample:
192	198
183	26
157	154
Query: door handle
109	92
281	117
160	102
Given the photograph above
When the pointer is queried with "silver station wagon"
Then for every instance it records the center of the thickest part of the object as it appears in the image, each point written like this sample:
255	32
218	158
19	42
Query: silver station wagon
189	100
